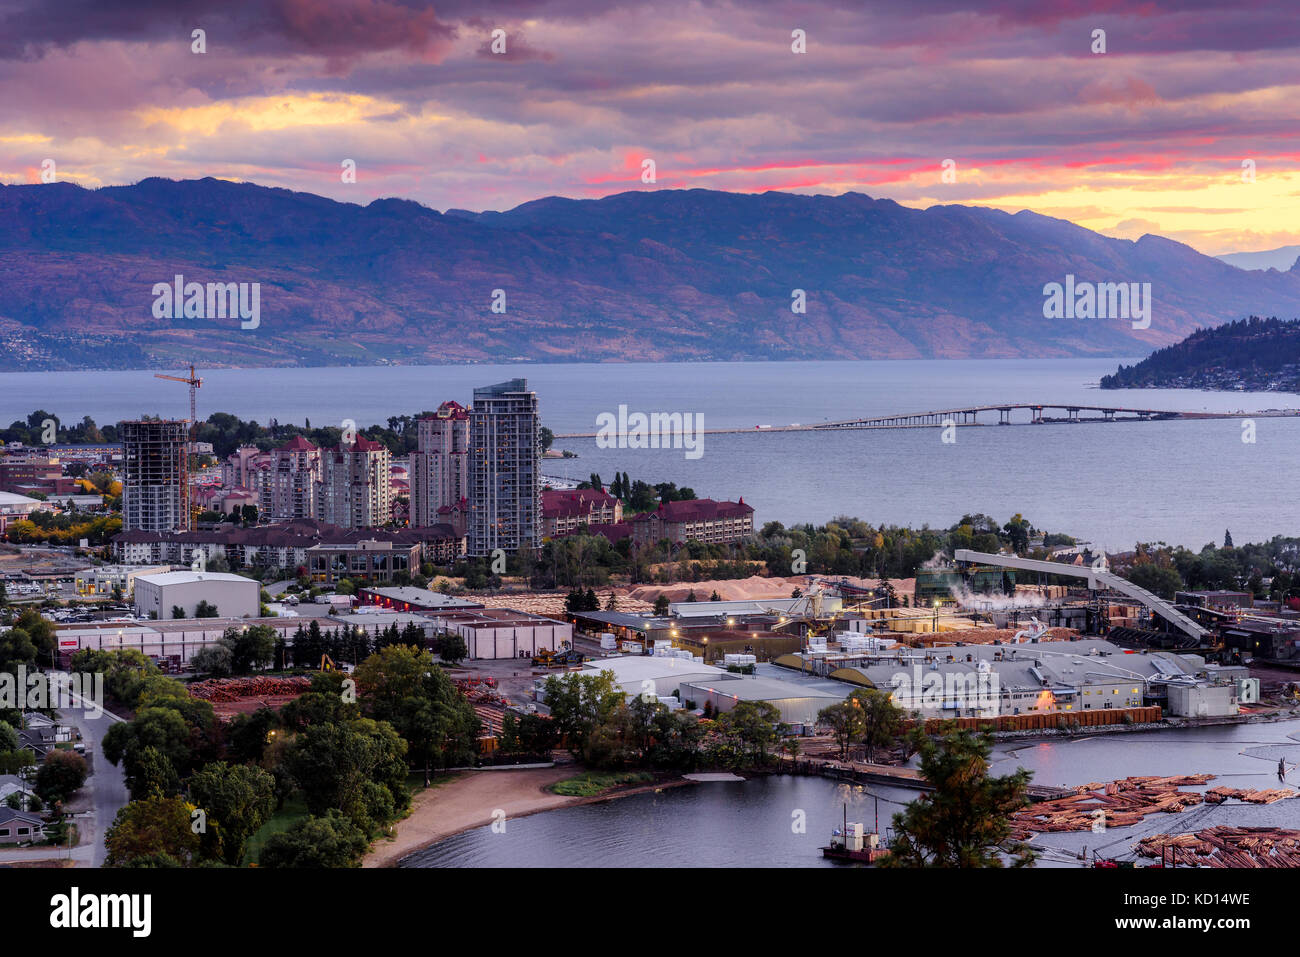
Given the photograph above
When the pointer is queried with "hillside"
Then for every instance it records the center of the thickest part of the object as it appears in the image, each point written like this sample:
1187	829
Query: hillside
655	275
1282	258
1254	355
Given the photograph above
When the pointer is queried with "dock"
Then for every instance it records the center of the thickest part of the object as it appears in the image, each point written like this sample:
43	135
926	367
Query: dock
860	772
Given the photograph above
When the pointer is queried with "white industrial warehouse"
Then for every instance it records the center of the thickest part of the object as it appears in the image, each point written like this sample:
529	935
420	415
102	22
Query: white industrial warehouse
233	595
798	704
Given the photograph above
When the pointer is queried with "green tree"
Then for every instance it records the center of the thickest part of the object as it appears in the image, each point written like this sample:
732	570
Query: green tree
358	768
1163	581
156	825
579	703
966	820
661	606
755	726
40	630
126	672
452	649
183	730
845	719
1016	533
60	776
402	685
214	660
882	720
238	798
248	735
251	647
321	841
16	648
151	774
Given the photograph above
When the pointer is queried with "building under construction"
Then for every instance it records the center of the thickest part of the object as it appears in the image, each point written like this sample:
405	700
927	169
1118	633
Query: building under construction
155	475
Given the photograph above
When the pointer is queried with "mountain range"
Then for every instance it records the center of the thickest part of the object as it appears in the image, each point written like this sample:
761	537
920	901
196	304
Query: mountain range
1282	258
644	275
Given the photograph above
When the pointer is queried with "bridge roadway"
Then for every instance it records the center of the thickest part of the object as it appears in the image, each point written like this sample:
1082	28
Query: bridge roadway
969	416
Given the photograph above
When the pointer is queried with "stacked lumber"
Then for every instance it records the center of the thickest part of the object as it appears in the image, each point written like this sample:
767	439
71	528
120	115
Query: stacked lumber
1226	846
1266	796
1124	803
233	689
1048	720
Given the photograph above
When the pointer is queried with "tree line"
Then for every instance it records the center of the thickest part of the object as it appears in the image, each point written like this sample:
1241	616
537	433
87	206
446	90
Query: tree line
200	790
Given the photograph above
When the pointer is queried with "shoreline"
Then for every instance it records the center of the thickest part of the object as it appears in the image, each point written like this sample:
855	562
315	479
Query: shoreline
470	799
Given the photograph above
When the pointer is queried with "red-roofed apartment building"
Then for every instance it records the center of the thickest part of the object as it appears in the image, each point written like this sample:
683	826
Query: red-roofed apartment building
703	520
563	510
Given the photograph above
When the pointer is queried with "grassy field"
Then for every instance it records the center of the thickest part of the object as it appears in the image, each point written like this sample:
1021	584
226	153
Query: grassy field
593	783
294	810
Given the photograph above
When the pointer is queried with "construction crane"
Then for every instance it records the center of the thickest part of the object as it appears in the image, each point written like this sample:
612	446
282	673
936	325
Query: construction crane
193	382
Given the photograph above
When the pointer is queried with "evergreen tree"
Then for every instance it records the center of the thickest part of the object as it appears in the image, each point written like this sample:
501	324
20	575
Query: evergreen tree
966	820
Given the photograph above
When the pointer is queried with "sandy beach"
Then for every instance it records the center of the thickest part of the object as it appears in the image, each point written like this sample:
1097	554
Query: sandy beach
468	800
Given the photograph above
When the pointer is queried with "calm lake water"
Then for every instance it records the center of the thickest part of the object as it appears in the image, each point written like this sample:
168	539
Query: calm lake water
751	824
1180	482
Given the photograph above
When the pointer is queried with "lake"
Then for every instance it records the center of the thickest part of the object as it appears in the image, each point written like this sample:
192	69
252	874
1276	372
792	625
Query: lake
754	823
1181	482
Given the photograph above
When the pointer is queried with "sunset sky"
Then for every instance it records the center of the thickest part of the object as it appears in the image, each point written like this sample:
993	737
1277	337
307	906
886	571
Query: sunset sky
1147	137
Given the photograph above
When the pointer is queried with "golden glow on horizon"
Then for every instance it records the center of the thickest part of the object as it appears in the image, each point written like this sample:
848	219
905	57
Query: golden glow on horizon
267	113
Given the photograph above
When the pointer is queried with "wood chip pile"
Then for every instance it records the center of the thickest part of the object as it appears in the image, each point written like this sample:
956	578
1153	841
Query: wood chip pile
1225	846
233	689
982	636
1125	803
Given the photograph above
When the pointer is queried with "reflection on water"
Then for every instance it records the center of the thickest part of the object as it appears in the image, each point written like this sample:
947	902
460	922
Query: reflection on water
763	822
784	821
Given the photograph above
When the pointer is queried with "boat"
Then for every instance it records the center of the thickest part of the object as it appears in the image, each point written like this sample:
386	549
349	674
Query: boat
853	843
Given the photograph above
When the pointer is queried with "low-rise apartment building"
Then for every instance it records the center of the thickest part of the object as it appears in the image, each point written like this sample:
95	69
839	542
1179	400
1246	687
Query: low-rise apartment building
702	520
564	510
283	545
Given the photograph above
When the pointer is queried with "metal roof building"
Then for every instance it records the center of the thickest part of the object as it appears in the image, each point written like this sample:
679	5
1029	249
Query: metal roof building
798	704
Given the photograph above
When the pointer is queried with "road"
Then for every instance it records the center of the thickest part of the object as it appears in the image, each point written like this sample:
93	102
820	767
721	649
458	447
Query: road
106	785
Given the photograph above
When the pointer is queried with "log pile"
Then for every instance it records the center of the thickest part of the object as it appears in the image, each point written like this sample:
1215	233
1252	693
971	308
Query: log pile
1225	846
233	689
1124	803
1267	796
